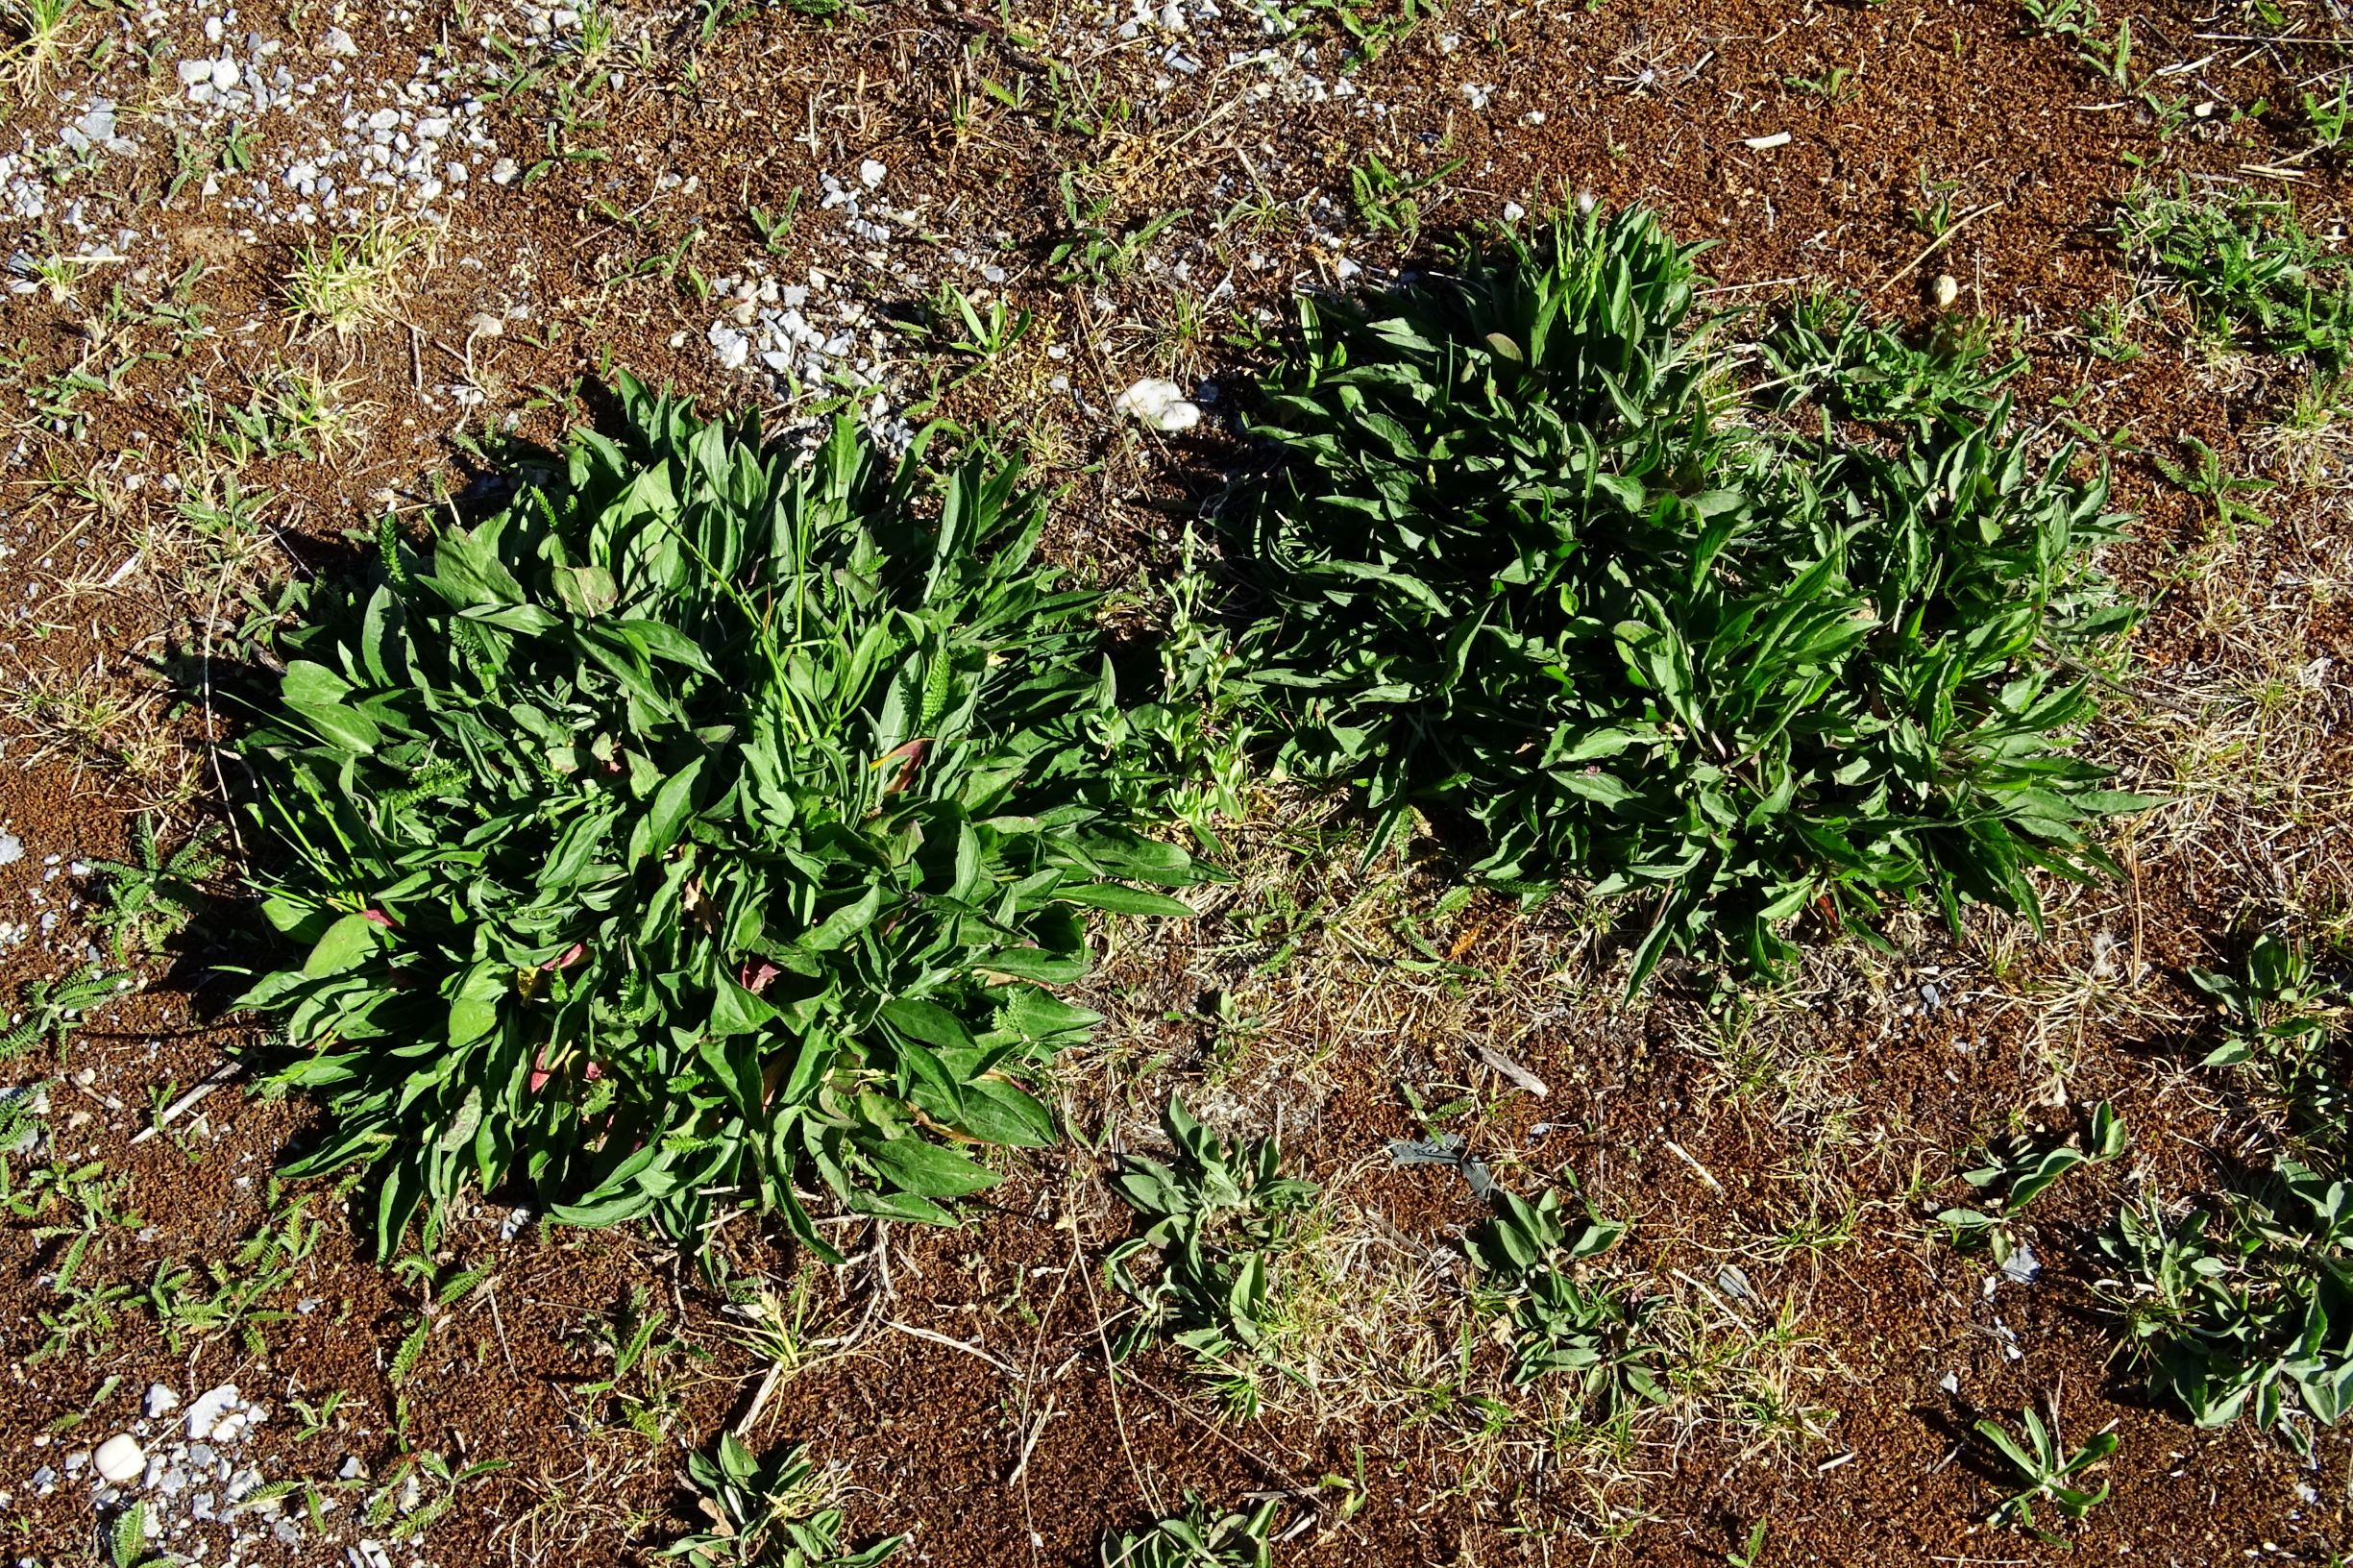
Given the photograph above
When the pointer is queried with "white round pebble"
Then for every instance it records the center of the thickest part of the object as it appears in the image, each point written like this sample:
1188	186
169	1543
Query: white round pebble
119	1459
1159	404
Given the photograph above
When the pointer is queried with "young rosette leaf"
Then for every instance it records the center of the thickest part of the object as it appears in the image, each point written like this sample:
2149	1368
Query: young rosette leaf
701	824
1534	568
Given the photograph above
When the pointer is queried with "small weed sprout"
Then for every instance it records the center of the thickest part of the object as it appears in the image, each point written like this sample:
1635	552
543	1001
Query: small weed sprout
2244	1302
768	1513
1193	1540
152	897
1529	1271
2049	1470
353	281
2021	1172
1218	1219
2248	270
36	32
2291	1027
48	1012
2330	116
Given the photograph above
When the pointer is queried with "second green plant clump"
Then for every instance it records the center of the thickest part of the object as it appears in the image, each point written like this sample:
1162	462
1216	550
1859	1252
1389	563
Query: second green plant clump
1535	568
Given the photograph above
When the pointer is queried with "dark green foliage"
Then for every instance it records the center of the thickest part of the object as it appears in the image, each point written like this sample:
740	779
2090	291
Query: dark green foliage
1216	1220
1528	573
699	825
2246	1300
2249	268
1530	1267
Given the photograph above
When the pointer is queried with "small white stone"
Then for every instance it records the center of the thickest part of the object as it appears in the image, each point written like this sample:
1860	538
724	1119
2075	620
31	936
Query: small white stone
1159	404
505	172
161	1400
871	172
210	1407
224	74
194	71
1945	290
1514	212
119	1459
338	43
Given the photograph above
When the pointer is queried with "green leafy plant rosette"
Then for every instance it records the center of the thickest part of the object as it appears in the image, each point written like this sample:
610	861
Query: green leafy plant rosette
1530	568
700	824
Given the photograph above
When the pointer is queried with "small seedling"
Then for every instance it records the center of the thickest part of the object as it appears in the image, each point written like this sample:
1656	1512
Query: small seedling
36	32
2204	477
2248	269
773	226
151	898
50	1011
2042	1463
1388	201
1831	86
2288	1025
2023	1172
1530	1270
2242	1307
1218	1220
987	332
2330	117
768	1513
352	281
1195	1540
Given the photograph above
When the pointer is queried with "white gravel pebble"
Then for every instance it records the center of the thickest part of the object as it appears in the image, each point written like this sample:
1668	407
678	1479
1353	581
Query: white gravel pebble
161	1400
211	1408
871	172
